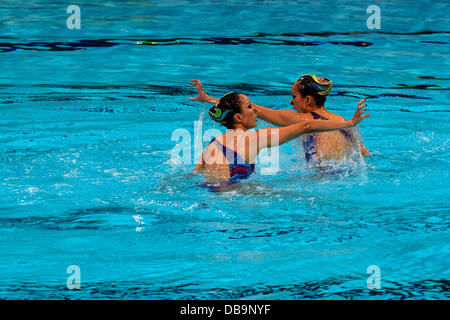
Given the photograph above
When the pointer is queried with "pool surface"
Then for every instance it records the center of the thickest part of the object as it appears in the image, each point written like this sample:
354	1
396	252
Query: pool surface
88	177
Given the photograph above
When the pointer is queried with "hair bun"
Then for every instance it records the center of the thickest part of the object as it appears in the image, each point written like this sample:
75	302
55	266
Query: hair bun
217	114
321	85
225	109
326	88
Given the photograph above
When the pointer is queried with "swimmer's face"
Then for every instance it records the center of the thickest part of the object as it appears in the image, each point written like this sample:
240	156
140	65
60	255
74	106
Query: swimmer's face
298	102
248	113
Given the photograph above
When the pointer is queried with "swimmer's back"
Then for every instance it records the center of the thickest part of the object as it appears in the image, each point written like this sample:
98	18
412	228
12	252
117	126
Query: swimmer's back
332	145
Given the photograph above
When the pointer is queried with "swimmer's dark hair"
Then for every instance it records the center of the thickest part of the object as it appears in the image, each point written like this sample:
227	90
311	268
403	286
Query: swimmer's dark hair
308	86
224	111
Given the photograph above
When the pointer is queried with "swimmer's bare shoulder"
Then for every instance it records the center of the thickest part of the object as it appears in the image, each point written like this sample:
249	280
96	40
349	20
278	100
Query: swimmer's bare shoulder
335	116
201	163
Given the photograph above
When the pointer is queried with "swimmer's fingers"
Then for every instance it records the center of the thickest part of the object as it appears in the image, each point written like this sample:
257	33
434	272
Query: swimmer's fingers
359	115
361	102
363	117
202	96
197	83
360	107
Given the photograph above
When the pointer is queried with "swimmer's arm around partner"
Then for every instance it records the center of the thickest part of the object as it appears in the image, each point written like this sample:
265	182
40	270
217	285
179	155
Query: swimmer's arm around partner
279	118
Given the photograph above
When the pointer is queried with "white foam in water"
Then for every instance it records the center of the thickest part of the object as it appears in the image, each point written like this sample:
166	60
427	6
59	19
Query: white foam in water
198	145
349	162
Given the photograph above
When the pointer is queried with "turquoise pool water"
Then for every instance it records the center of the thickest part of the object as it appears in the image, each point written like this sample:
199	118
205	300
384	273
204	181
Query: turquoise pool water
87	177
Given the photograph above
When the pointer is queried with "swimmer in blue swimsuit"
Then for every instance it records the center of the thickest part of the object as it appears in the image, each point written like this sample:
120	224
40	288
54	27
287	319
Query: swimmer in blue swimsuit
308	100
230	158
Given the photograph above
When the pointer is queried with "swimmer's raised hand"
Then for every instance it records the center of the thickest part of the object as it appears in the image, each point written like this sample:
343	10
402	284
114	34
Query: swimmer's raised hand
202	96
358	116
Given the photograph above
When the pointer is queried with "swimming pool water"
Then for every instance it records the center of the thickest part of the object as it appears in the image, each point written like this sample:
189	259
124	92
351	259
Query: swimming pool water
87	177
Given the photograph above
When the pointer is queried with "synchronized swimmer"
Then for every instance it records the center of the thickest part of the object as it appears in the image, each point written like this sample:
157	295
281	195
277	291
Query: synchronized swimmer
230	157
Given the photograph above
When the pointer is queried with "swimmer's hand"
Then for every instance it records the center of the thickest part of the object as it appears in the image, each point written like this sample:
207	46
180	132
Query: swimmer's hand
358	116
202	96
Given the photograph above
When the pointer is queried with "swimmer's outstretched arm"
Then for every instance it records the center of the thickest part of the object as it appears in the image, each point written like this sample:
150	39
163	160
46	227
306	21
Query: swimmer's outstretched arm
279	118
288	133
